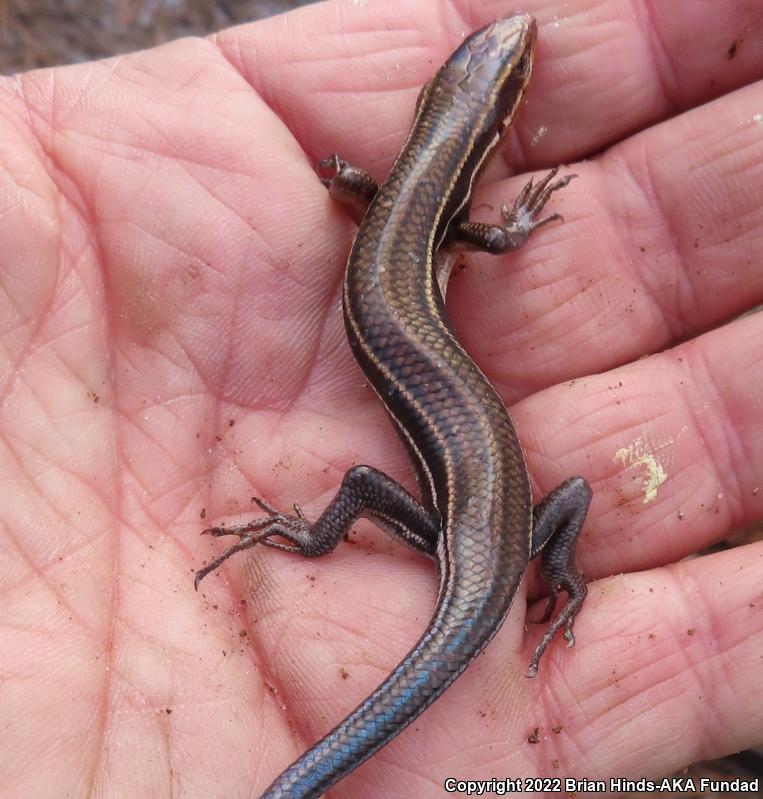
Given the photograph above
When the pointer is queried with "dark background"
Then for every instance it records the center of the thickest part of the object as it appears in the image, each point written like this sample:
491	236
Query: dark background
44	33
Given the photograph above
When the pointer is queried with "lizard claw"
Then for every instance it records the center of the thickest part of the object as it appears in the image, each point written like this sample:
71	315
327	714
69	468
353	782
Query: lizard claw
295	529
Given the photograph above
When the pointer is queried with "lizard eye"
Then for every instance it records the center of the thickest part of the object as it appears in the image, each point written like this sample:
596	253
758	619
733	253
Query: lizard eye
523	65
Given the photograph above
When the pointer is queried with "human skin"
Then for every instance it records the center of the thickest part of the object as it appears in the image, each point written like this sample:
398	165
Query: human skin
172	345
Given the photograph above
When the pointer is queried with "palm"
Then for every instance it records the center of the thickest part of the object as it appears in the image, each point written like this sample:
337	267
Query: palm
173	344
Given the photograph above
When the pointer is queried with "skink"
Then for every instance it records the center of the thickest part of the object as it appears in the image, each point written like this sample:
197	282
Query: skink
475	516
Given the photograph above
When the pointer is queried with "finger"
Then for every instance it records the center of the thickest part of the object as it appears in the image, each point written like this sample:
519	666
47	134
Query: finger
330	72
658	653
661	241
671	446
647	287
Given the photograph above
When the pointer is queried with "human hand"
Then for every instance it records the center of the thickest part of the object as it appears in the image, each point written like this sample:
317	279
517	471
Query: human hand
172	265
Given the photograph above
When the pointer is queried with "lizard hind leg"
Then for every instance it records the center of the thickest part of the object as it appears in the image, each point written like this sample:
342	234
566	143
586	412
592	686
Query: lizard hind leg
557	521
365	492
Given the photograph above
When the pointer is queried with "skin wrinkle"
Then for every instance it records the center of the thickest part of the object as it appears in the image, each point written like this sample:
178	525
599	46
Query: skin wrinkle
733	489
711	629
165	726
747	148
48	503
632	432
575	416
93	140
247	227
128	362
545	278
341	94
644	751
677	575
132	150
236	58
456	31
360	63
668	304
64	369
704	744
100	752
62	186
70	550
82	483
224	368
549	700
313	363
347	636
629	255
10	435
696	494
154	495
206	387
194	259
237	460
296	277
22	628
197	67
660	55
79	208
509	388
80	326
727	153
39	573
15	111
16	368
34	114
553	334
151	642
108	649
384	143
614	719
95	80
37	570
716	449
309	407
249	230
190	79
302	722
256	653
